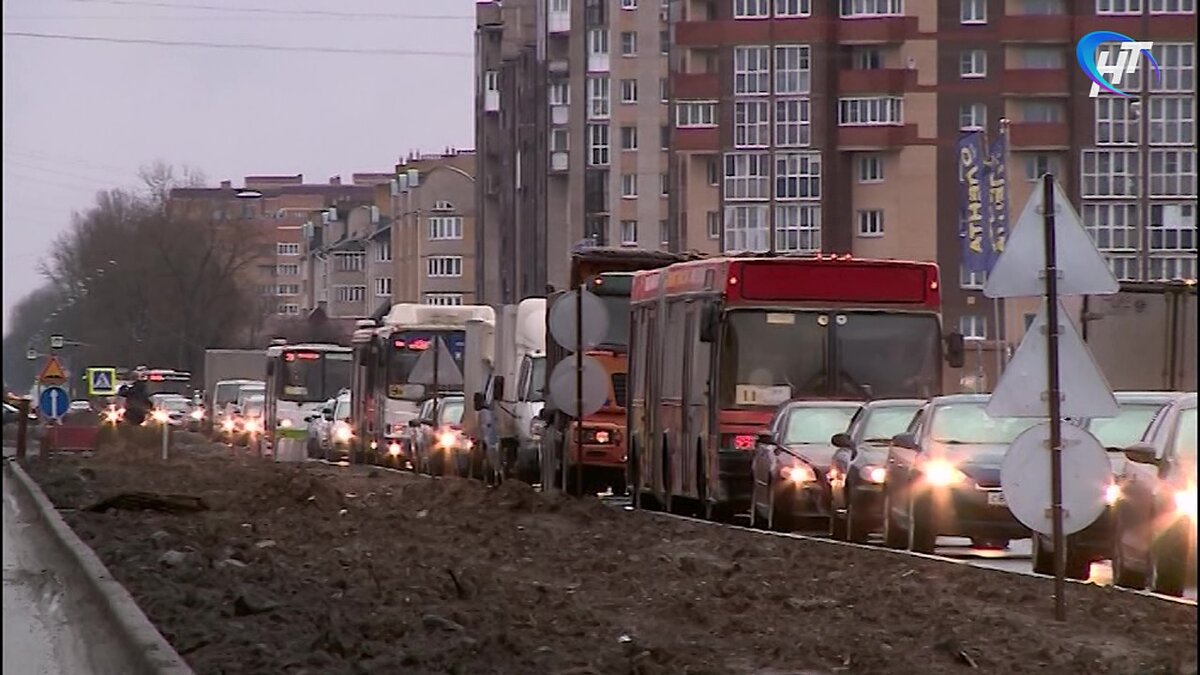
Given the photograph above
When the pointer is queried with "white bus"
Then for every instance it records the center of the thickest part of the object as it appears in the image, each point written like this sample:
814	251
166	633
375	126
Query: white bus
300	379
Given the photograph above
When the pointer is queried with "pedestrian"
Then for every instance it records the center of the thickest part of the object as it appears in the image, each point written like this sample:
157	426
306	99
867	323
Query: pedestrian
137	402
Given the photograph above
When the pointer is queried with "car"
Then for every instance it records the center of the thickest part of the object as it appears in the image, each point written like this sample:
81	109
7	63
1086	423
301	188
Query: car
791	458
857	470
317	433
79	406
176	407
1154	538
248	424
1137	410
441	447
943	476
338	433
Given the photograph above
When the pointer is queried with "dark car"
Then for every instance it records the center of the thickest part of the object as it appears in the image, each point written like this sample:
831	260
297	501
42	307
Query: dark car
1155	529
1137	410
440	447
791	459
943	476
858	469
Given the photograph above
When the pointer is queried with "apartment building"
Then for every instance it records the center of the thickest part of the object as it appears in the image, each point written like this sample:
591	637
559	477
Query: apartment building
434	229
805	126
572	133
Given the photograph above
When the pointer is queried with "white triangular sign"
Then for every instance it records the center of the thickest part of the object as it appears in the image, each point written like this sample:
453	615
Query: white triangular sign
100	381
1022	390
1020	270
448	373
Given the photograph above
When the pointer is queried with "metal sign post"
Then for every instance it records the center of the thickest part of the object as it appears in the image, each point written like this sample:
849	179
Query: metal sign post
1052	385
578	390
165	437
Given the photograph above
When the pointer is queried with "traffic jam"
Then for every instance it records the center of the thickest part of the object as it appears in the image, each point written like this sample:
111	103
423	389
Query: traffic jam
802	395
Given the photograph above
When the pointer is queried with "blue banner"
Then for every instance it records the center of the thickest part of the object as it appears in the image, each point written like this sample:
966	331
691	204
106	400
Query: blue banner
972	201
997	211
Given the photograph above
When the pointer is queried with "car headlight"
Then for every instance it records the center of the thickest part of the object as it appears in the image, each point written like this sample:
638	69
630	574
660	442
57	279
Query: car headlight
160	416
940	473
285	423
446	439
253	426
1112	494
227	425
394	449
342	432
873	474
1185	502
197	415
798	473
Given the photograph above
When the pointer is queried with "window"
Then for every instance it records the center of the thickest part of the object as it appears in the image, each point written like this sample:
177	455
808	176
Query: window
866	58
792	69
629	138
445	227
287	308
383	251
559	93
972	117
973	11
787	8
712	221
287	270
1171	268
628	4
1118	6
444	266
349	293
443	299
1110	173
751	124
491	80
664	234
1038	165
797	228
866	8
664	184
629	91
287	289
664	137
713	168
383	287
629	185
1172	120
973	326
1043	7
598	102
560	139
972	63
349	262
798	175
1178	63
747	175
597	144
1113	226
662	90
1043	111
878	110
745	227
629	233
598	42
751	70
751	9
1116	121
870	223
1173	173
971	280
1172	6
664	42
1173	227
696	114
628	43
792	124
285	248
1043	58
870	168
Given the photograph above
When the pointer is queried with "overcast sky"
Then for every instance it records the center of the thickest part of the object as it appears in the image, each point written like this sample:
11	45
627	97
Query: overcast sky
82	116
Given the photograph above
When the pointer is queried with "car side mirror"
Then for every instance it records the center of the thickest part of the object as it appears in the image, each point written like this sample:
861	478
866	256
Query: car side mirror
905	440
955	350
478	401
414	423
842	440
709	320
1142	453
311	418
765	438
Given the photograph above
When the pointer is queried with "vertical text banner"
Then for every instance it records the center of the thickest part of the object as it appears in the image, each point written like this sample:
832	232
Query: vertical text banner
997	212
972	202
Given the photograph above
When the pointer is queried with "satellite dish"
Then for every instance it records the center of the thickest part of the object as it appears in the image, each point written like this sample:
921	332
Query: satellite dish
562	386
561	320
1025	478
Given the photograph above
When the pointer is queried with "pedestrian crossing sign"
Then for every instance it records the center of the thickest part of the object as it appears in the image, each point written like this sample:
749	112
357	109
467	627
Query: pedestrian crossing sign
102	381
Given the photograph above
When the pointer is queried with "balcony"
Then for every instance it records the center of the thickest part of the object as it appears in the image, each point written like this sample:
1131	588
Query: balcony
1039	135
560	115
702	139
878	30
1054	28
1035	82
696	86
875	137
491	101
558	161
878	81
558	22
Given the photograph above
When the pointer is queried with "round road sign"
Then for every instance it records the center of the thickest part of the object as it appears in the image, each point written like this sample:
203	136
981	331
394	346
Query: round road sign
53	402
561	320
562	386
1025	478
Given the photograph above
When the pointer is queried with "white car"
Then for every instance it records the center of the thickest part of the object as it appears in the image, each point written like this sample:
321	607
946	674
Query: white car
79	406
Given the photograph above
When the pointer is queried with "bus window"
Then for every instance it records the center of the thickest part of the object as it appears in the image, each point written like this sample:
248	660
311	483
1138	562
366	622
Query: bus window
889	355
314	376
768	357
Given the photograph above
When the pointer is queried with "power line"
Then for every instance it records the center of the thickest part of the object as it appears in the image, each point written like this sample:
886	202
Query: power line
59	172
281	12
218	45
59	158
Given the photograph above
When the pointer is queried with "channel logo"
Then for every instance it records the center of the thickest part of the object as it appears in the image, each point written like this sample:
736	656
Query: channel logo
1108	67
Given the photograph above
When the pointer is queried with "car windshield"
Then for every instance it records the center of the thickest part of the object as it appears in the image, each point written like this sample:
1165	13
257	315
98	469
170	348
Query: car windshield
1126	428
342	410
883	423
969	423
254	407
1185	437
228	392
452	411
176	404
411	367
817	424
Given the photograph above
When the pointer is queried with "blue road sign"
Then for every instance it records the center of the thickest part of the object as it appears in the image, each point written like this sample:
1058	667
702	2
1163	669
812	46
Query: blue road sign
54	401
102	381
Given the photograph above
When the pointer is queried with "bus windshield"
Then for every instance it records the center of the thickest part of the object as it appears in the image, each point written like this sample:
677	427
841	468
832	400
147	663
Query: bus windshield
885	355
770	357
410	348
309	377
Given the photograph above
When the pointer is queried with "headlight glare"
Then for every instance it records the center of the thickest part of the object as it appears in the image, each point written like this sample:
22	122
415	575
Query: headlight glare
940	473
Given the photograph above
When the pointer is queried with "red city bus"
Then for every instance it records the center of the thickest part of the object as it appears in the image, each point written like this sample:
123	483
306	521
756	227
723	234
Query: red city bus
717	345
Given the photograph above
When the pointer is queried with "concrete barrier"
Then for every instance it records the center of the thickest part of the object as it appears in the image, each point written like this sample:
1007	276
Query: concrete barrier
121	638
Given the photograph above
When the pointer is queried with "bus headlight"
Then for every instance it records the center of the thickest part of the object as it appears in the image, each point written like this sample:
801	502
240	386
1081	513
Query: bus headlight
285	423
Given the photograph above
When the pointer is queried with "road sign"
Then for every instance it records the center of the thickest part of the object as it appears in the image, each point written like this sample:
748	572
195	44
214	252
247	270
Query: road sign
56	342
1085	392
1019	272
562	386
31	354
561	320
53	402
1025	473
448	372
102	381
52	372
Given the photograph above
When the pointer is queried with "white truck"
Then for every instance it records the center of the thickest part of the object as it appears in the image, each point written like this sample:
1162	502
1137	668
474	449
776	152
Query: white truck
1144	337
229	367
516	393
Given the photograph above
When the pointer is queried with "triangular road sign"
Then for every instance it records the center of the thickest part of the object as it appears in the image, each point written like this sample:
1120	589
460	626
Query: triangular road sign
1022	390
102	381
1020	270
448	373
52	372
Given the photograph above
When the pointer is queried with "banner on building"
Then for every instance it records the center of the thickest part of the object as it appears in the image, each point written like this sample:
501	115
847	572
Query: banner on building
973	203
997	196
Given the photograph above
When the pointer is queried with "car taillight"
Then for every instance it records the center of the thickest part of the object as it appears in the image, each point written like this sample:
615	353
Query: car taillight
738	441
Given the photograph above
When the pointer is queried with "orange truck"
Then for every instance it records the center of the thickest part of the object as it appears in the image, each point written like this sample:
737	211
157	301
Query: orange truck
607	273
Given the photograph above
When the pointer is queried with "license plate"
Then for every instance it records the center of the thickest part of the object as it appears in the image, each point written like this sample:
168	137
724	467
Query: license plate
996	499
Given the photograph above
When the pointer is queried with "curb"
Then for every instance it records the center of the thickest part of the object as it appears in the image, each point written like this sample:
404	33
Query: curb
143	646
